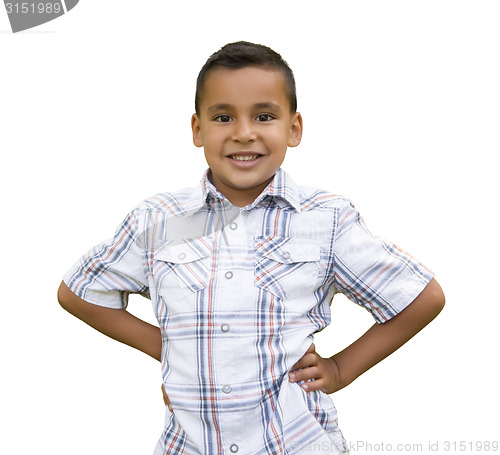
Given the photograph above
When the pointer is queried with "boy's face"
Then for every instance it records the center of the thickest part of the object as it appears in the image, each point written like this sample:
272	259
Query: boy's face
245	126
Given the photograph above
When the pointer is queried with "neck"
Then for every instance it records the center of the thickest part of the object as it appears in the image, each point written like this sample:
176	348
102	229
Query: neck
238	197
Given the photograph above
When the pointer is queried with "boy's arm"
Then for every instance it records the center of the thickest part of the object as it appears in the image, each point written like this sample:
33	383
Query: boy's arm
118	324
334	373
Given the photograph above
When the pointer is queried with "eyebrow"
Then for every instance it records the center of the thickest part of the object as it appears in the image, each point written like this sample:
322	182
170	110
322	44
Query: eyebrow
227	107
272	106
219	107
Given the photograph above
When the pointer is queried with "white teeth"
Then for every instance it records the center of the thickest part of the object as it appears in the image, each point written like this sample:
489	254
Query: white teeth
244	158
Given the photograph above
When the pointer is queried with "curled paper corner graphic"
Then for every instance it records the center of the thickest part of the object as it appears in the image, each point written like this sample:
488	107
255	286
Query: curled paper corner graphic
70	4
28	14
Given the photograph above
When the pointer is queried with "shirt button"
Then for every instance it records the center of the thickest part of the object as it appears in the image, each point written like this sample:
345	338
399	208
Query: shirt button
182	256
224	327
234	448
285	255
233	226
226	389
228	275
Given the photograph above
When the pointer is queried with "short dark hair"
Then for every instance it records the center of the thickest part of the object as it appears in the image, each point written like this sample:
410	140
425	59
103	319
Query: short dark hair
240	55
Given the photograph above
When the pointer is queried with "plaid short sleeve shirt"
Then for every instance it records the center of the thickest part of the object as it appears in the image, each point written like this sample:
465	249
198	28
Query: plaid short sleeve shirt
238	294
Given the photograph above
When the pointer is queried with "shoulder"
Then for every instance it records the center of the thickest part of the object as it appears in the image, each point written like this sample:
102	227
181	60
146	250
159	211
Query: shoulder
321	212
310	198
175	203
317	199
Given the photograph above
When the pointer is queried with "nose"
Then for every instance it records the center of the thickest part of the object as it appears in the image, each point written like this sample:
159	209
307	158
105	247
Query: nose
244	131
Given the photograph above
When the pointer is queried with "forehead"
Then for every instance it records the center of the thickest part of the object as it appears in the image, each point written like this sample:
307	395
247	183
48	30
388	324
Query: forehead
244	86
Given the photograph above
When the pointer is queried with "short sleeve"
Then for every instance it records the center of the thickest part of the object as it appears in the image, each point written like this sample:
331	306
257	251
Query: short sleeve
113	269
373	272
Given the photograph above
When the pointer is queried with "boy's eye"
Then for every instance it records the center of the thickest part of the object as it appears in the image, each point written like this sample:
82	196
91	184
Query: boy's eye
264	117
223	118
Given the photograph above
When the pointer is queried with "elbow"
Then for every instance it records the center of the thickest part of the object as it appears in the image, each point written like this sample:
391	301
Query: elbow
441	303
64	297
60	296
437	299
74	304
428	304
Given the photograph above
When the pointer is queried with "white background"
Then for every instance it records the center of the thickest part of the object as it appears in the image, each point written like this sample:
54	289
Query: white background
400	101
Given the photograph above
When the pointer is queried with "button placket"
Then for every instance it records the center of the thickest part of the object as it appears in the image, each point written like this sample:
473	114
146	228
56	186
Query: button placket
229	274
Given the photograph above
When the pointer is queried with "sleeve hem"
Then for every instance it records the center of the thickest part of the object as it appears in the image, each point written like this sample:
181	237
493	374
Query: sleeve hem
405	297
110	299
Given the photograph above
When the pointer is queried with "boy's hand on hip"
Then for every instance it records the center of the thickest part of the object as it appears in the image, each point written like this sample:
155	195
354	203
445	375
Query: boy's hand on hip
165	399
318	372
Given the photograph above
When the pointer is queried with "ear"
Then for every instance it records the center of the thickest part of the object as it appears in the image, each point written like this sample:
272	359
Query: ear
196	128
295	135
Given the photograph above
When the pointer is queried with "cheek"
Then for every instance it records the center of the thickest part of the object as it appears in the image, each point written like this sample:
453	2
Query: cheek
213	140
278	142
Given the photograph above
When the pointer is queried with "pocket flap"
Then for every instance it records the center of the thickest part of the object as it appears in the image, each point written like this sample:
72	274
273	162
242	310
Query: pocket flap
187	251
288	250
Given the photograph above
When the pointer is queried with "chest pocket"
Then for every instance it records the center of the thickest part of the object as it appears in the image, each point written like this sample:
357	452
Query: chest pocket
287	267
183	268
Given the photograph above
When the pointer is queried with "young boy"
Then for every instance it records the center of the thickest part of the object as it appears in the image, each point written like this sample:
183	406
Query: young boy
241	271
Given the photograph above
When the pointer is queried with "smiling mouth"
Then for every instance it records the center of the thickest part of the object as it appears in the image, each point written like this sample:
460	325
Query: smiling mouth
244	157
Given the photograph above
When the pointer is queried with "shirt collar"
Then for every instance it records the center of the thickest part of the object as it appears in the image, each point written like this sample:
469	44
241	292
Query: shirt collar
282	188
